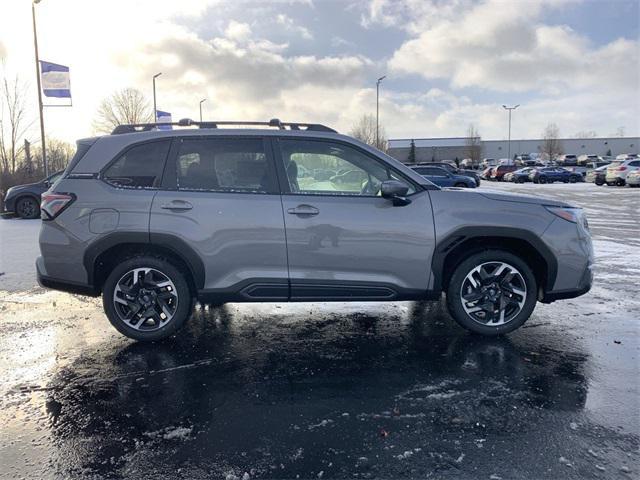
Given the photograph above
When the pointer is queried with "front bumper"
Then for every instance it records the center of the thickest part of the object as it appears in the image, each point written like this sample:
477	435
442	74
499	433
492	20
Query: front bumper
583	287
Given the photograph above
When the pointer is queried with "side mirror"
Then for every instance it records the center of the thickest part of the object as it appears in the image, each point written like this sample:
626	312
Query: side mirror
395	191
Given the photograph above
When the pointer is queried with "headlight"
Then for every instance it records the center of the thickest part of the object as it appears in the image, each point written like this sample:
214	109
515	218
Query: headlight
570	214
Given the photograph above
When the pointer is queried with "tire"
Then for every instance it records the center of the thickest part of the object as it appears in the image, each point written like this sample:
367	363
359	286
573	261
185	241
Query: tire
461	185
573	179
159	271
542	180
27	208
620	183
519	306
520	180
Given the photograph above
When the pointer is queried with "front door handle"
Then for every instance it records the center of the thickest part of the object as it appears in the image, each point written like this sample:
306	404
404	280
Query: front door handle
305	210
177	205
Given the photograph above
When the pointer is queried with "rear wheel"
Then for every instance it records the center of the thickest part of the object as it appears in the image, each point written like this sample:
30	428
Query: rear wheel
492	292
460	185
573	179
147	298
27	207
542	180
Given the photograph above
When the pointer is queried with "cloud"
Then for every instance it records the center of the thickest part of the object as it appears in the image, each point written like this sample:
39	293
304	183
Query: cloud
501	46
289	25
237	31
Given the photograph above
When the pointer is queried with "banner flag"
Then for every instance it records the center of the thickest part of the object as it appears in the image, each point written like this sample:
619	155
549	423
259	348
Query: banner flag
163	117
55	80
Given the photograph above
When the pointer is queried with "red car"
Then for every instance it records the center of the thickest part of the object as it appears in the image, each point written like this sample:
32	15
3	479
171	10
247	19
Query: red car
498	172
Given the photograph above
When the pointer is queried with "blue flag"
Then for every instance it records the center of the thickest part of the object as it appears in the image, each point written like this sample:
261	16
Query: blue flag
55	80
163	117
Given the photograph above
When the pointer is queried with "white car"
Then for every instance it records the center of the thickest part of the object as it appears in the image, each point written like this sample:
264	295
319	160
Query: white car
618	170
633	178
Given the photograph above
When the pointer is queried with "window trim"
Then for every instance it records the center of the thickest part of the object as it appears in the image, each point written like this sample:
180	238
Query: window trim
170	173
117	156
284	180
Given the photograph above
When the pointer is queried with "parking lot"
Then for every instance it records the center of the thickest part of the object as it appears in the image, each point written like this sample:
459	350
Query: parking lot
332	390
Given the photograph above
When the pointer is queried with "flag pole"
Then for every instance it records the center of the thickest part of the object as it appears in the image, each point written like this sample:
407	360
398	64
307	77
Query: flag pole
40	106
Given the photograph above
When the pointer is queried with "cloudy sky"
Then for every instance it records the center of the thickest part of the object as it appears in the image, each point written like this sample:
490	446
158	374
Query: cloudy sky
448	63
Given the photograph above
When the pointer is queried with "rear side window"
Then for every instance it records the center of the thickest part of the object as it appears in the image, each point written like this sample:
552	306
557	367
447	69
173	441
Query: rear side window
224	165
140	166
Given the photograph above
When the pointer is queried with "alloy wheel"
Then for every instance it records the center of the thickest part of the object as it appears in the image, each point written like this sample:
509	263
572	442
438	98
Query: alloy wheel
493	293
145	299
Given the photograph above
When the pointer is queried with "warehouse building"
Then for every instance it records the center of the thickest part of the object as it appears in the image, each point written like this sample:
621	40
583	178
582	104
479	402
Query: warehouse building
438	149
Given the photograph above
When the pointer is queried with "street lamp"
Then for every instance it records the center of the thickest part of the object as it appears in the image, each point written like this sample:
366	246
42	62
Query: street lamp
155	111
201	102
40	106
510	109
378	110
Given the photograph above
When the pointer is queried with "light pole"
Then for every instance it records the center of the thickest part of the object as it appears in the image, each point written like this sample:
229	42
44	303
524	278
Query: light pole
378	110
155	110
510	109
201	102
40	106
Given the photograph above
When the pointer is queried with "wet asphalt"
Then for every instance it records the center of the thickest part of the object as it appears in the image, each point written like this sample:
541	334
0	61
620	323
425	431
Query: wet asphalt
335	390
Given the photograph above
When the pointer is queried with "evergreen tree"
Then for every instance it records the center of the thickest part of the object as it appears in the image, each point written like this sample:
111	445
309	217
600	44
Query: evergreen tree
412	152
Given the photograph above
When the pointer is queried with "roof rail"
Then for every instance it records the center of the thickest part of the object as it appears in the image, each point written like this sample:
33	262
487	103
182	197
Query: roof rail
187	122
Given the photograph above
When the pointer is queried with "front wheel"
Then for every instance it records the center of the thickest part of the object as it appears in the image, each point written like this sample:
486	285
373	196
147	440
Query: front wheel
492	292
147	298
573	179
460	185
542	180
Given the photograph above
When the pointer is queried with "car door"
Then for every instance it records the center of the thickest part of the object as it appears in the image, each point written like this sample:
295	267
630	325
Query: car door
344	241
220	199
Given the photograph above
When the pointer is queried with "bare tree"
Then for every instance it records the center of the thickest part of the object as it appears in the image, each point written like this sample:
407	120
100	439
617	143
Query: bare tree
59	153
123	106
473	145
13	122
552	146
365	131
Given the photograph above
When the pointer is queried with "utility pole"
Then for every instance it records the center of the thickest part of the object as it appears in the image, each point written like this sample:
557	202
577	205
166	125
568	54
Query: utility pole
155	109
201	102
40	106
378	110
509	109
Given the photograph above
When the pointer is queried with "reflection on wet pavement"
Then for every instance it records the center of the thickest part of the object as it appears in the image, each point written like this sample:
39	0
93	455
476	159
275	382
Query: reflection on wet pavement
394	390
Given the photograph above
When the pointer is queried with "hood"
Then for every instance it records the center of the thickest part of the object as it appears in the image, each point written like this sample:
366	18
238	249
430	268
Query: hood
520	198
19	188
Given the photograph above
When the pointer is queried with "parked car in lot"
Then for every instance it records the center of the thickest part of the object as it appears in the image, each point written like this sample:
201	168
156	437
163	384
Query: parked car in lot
498	172
633	178
454	170
444	178
554	174
488	162
525	160
519	176
567	160
486	173
618	170
24	200
597	175
153	219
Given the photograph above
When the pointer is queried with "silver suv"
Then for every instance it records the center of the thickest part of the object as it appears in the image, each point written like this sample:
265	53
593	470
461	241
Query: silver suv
153	219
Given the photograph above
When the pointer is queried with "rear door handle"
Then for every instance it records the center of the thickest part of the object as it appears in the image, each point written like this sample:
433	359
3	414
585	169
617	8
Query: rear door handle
306	210
177	205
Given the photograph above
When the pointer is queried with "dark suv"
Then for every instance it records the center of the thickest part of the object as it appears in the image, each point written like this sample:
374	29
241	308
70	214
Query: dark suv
24	200
152	219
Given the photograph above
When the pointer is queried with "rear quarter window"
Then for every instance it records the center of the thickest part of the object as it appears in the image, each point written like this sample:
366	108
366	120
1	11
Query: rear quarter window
140	166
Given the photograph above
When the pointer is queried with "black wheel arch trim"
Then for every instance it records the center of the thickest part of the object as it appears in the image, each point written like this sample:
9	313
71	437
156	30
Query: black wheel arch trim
463	234
169	242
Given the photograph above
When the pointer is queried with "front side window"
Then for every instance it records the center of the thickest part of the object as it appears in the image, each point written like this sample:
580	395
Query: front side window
322	167
224	165
140	166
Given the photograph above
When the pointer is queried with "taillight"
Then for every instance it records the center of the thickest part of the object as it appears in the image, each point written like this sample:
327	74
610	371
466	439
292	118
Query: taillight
53	204
622	169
